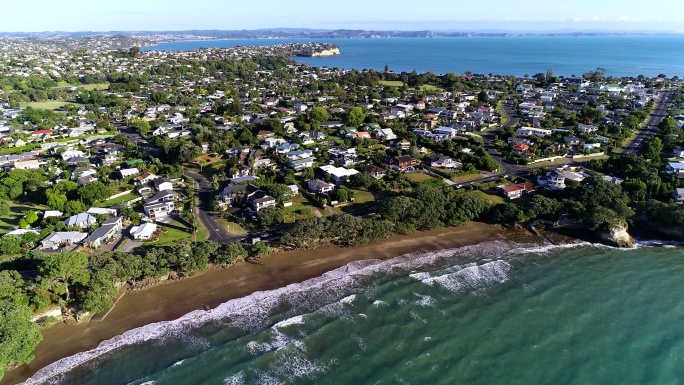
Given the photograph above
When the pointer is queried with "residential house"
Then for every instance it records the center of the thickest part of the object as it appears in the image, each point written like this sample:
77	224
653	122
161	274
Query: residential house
400	162
375	171
162	184
385	134
443	162
403	145
587	128
338	174
163	196
343	156
572	140
82	220
678	152
678	195
264	134
299	164
555	180
32	164
675	168
317	186
159	210
449	132
68	154
62	238
531	131
520	148
234	194
591	146
128	172
102	211
259	200
144	231
52	214
514	191
110	229
145	178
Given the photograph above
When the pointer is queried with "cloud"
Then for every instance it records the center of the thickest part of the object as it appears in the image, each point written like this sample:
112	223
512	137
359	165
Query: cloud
596	18
623	18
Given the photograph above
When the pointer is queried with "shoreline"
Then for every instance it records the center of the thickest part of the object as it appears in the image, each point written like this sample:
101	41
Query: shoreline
173	299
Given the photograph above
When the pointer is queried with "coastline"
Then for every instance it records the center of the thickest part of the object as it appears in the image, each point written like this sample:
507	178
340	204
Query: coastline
171	300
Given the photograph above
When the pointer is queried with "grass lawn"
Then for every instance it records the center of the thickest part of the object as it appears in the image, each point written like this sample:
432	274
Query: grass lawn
418	177
46	105
466	178
170	235
492	198
391	83
429	87
116	201
201	231
16	213
582	160
93	87
504	116
363	197
212	169
232	228
299	204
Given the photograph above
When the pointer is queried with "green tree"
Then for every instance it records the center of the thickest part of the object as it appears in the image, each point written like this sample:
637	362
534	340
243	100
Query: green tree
94	192
18	334
258	249
270	216
31	217
4	208
142	126
483	97
23	224
355	116
10	245
100	292
280	192
509	213
74	207
652	148
63	270
231	254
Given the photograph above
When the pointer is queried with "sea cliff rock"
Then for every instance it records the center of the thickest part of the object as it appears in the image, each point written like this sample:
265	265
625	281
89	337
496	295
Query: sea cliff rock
326	52
618	235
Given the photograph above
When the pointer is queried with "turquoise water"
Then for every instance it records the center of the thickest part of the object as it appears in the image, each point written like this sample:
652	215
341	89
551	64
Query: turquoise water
489	314
618	55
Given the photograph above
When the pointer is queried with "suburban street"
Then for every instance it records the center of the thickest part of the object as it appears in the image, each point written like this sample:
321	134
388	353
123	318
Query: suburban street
651	127
205	193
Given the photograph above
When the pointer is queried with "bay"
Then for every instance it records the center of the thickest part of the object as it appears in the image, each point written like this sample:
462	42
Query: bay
492	313
630	55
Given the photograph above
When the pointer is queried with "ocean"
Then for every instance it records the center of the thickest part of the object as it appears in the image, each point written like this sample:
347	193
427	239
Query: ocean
619	55
495	313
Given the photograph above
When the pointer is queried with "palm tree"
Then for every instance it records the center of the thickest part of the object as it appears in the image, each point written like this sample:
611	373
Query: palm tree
202	163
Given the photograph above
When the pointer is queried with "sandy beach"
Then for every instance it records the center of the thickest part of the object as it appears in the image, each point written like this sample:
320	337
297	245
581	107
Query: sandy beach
171	300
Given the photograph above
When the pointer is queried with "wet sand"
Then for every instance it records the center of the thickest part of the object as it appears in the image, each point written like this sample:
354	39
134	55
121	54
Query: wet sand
171	300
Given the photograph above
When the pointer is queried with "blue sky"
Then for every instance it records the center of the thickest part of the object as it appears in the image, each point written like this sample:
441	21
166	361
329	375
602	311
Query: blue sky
132	15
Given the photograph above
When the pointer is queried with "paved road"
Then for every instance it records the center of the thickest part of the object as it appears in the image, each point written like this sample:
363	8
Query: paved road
651	127
205	193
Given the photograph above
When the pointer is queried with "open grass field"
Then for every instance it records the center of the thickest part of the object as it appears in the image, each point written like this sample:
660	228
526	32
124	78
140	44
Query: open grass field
363	197
495	199
301	208
430	87
94	87
232	228
391	83
418	177
46	105
170	235
116	201
16	213
466	178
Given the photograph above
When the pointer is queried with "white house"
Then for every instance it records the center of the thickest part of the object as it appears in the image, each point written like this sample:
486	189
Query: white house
82	220
109	230
339	174
128	172
318	186
144	231
675	168
531	131
60	238
162	184
591	146
587	128
159	210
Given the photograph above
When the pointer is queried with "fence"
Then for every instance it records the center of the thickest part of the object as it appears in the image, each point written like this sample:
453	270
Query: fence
575	157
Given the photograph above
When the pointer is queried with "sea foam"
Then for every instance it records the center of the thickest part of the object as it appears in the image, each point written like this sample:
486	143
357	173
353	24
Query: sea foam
333	287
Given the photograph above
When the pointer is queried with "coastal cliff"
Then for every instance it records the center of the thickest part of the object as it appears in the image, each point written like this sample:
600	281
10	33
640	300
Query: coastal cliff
618	235
326	52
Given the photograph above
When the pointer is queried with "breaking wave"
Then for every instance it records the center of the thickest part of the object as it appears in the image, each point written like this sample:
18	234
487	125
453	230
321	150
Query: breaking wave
330	290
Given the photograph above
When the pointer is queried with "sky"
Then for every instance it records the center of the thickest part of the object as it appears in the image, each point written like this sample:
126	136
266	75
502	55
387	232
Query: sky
177	15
